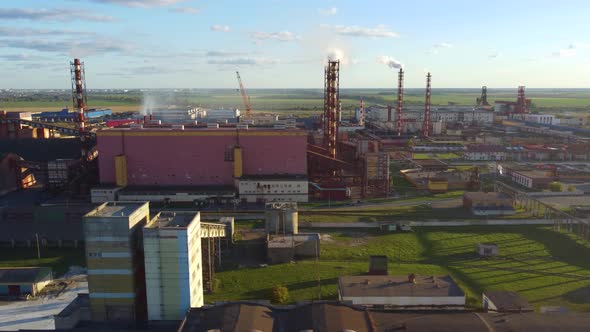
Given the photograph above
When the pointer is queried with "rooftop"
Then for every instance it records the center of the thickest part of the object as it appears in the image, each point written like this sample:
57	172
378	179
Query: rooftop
172	219
534	173
22	274
393	286
508	301
115	209
480	195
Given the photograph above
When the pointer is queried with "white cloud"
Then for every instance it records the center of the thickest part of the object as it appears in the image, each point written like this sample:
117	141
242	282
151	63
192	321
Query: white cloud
73	47
328	11
30	32
56	14
495	55
223	53
280	36
185	10
379	31
140	3
570	51
443	45
389	61
247	61
221	28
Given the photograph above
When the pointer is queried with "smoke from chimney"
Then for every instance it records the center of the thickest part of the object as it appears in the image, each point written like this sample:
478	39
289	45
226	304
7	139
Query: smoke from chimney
389	61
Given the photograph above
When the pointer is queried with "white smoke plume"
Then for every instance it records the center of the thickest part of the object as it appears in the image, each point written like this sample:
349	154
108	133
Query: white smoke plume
333	54
389	61
149	102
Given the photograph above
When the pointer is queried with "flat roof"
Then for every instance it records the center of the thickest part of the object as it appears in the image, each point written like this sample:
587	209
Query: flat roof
394	286
508	301
274	177
172	219
115	209
18	275
200	131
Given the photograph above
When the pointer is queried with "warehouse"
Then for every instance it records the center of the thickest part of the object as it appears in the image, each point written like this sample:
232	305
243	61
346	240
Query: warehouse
200	157
24	280
400	291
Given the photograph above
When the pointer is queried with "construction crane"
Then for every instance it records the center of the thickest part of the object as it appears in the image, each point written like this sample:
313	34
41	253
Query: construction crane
245	97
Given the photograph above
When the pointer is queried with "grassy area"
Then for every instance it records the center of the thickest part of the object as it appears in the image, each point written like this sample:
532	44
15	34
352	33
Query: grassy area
442	156
58	259
535	261
302	102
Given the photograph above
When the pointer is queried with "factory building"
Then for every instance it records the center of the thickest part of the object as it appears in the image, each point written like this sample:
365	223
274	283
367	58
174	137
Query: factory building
173	264
222	114
413	116
253	189
115	261
206	158
173	115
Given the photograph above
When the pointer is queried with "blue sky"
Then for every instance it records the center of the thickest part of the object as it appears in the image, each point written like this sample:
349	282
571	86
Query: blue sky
283	44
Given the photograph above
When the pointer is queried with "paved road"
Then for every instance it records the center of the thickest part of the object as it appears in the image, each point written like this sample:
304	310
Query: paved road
436	203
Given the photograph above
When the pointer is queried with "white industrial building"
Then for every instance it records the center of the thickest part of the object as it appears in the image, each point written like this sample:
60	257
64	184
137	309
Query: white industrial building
545	119
260	189
401	291
173	115
413	116
222	114
173	264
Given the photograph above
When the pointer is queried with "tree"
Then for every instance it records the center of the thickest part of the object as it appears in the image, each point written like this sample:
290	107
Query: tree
571	188
556	186
280	294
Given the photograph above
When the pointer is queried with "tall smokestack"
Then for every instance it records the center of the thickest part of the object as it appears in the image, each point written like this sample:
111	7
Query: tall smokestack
400	101
426	123
78	91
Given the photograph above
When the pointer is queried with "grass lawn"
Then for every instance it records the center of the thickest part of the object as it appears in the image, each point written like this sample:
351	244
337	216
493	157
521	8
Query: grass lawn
535	261
58	259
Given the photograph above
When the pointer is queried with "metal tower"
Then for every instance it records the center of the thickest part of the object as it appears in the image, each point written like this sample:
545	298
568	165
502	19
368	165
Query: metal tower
400	102
426	123
483	99
331	106
521	102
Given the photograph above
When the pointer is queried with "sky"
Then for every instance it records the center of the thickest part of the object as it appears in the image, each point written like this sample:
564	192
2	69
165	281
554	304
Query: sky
285	44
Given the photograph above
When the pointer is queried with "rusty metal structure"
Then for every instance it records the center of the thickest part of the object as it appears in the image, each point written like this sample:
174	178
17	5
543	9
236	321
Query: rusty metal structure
400	102
331	106
483	99
426	123
79	91
362	113
521	101
388	113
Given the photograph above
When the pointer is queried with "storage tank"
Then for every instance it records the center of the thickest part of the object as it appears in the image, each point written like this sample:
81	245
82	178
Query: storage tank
281	218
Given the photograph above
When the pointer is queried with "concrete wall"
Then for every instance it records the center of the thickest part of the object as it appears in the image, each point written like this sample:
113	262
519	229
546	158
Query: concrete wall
273	190
406	300
198	157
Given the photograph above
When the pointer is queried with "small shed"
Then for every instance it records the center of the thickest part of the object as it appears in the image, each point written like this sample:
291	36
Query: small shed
487	250
505	301
24	280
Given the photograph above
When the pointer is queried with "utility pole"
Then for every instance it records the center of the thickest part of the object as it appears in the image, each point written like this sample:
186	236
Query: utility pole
38	250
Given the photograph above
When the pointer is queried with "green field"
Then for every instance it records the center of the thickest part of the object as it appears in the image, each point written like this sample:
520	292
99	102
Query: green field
546	267
58	259
302	102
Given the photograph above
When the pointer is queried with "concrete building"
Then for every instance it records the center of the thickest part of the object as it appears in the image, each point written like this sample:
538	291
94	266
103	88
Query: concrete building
115	260
173	264
286	248
173	116
222	114
505	302
485	152
401	291
261	189
488	204
413	116
543	119
532	179
18	281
